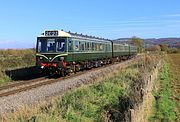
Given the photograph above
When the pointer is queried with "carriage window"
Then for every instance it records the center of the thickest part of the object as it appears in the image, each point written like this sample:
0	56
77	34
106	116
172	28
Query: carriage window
76	45
106	46
114	47
82	46
51	45
93	46
88	45
97	45
121	48
101	47
109	48
117	47
126	47
61	45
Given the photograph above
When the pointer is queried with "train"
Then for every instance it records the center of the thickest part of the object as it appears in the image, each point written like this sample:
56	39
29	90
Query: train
60	52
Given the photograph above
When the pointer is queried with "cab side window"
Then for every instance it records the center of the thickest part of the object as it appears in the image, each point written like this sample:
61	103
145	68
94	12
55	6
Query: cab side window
70	46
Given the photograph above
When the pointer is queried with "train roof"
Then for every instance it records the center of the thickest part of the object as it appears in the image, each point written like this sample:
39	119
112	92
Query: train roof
61	33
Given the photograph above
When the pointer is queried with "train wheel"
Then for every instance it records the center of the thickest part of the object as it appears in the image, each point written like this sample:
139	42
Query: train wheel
77	68
62	73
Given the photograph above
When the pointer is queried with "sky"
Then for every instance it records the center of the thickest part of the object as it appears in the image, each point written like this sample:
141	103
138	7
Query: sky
21	21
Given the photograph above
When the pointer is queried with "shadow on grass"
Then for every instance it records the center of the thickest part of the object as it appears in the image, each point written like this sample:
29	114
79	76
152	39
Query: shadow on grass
27	73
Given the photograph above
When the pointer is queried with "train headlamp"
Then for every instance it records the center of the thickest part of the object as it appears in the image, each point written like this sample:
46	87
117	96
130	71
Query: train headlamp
61	58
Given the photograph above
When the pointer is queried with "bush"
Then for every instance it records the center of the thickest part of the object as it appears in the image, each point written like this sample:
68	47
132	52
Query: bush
4	78
173	50
154	48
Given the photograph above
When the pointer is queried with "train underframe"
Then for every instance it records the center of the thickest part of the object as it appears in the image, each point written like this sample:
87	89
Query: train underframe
66	68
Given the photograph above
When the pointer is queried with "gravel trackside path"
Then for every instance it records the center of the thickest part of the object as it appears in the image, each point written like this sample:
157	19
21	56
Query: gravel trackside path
32	96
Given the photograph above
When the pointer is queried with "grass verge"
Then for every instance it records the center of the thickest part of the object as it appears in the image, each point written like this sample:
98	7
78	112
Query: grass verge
164	105
84	104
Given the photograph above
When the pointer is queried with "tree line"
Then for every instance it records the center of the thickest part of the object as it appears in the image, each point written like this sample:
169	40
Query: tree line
158	47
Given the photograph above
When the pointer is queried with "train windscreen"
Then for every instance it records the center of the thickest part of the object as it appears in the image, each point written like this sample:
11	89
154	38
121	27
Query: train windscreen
51	45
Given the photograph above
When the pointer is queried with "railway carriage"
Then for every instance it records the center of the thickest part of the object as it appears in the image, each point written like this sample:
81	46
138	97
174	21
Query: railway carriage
123	51
60	52
133	50
86	48
120	50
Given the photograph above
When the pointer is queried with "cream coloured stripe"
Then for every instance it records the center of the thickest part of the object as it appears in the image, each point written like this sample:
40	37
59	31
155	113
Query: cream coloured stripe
59	56
42	56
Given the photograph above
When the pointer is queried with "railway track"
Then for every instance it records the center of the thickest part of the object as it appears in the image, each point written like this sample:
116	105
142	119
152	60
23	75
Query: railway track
17	87
27	85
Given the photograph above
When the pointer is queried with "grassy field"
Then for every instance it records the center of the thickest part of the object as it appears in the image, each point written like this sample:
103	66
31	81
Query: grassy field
174	60
12	59
167	107
90	103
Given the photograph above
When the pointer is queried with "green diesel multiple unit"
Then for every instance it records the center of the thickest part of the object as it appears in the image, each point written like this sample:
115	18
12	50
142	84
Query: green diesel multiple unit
60	52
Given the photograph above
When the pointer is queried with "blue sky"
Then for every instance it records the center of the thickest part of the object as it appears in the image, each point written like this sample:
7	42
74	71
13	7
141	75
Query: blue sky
21	21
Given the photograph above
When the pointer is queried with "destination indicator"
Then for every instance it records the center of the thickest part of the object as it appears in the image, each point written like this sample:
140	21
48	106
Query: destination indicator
51	33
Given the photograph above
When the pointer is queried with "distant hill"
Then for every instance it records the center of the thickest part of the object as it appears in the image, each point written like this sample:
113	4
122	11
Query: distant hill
171	42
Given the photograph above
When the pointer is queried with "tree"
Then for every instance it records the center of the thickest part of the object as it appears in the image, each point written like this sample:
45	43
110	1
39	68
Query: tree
164	47
138	42
154	48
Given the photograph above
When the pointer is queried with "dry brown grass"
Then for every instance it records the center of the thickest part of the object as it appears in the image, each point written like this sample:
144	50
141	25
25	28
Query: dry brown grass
12	59
174	60
32	113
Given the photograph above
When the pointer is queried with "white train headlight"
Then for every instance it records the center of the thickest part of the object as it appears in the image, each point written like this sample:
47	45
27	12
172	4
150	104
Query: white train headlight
62	58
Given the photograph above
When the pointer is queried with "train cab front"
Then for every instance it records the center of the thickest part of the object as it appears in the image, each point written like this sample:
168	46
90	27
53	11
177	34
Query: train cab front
51	53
